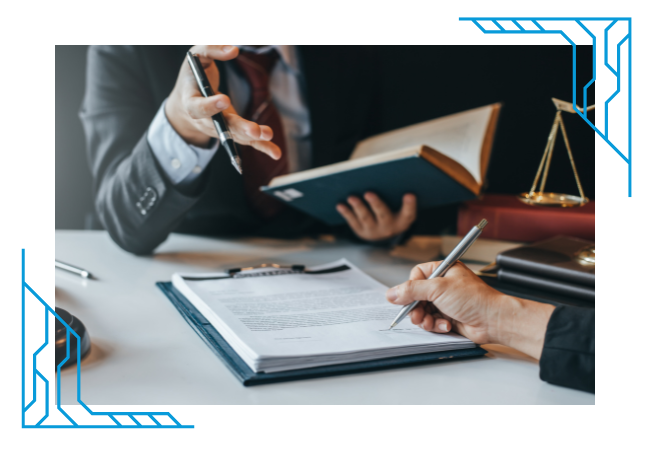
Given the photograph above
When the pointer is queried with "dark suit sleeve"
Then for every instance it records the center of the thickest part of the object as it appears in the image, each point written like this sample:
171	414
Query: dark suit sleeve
569	354
134	200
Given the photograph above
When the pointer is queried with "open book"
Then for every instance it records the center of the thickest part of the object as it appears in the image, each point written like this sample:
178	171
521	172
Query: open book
282	319
441	161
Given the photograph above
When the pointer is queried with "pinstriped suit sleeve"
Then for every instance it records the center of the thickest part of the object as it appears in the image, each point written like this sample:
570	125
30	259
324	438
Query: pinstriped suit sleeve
133	198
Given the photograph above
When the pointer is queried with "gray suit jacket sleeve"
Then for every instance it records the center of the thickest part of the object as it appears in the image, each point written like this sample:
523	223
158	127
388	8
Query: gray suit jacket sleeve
134	200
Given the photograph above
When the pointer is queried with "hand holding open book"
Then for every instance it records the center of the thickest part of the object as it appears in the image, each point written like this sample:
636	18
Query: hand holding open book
376	221
441	161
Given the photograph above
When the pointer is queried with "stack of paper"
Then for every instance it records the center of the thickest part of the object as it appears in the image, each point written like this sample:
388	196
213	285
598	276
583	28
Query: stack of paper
279	320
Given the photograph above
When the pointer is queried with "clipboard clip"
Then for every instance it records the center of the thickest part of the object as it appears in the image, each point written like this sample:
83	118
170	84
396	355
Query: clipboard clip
295	268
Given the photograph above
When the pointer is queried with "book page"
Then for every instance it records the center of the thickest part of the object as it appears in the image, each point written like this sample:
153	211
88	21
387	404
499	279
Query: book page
305	319
458	136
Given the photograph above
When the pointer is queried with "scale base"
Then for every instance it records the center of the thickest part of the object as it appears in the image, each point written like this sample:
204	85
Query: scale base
552	199
587	257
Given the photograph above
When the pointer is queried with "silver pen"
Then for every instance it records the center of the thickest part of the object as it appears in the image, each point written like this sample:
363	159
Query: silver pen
445	265
72	269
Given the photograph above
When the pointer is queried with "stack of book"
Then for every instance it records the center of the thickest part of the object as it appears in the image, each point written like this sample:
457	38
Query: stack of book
552	265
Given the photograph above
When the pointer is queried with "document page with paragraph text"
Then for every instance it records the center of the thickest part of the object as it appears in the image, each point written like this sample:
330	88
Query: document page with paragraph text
279	319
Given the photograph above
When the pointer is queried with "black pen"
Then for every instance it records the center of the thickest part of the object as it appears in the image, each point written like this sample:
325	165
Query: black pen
219	122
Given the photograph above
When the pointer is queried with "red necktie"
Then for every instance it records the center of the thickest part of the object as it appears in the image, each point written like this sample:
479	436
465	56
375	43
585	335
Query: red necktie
258	168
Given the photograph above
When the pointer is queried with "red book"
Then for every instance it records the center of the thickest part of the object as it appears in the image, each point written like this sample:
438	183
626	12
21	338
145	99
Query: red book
511	220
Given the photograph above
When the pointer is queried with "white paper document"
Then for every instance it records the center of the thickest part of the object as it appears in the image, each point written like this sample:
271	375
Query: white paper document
279	320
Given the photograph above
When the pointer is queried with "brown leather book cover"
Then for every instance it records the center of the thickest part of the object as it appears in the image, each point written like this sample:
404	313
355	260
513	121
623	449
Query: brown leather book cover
511	220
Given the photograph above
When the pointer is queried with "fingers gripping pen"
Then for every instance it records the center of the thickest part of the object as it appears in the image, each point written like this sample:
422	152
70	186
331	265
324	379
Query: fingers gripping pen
219	121
445	265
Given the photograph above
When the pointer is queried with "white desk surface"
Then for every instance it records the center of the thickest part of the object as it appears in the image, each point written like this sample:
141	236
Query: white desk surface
144	353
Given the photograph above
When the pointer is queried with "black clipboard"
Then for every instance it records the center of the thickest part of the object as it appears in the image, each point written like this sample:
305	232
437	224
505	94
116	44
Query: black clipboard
247	377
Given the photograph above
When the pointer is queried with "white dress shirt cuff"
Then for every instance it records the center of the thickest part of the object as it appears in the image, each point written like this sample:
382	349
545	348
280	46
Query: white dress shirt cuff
181	162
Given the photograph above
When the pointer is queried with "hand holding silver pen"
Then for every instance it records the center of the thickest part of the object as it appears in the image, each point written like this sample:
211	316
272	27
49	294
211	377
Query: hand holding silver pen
464	303
446	264
191	114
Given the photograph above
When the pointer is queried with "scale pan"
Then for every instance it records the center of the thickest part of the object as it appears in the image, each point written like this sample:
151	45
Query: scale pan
552	199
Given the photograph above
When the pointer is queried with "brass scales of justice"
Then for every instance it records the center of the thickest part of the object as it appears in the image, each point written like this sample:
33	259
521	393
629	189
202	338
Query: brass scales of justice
586	256
541	198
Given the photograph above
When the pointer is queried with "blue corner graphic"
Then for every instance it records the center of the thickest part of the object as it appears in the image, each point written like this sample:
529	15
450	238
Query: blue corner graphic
592	27
128	419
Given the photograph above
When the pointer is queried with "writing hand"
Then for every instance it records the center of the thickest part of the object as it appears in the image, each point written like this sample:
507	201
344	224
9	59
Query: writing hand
190	113
462	302
377	222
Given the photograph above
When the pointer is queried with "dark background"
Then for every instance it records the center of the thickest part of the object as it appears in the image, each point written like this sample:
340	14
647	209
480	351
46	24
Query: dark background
420	83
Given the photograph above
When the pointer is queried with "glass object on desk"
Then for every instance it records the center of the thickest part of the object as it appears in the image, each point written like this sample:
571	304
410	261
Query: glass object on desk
539	197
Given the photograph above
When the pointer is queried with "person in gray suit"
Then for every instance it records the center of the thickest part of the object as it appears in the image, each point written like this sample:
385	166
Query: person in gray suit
154	152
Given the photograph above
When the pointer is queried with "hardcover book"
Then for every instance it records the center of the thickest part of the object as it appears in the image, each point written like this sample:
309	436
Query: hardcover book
550	265
512	220
441	161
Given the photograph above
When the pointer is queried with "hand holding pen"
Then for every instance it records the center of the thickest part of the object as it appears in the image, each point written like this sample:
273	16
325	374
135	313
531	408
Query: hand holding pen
445	265
190	113
460	301
445	295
